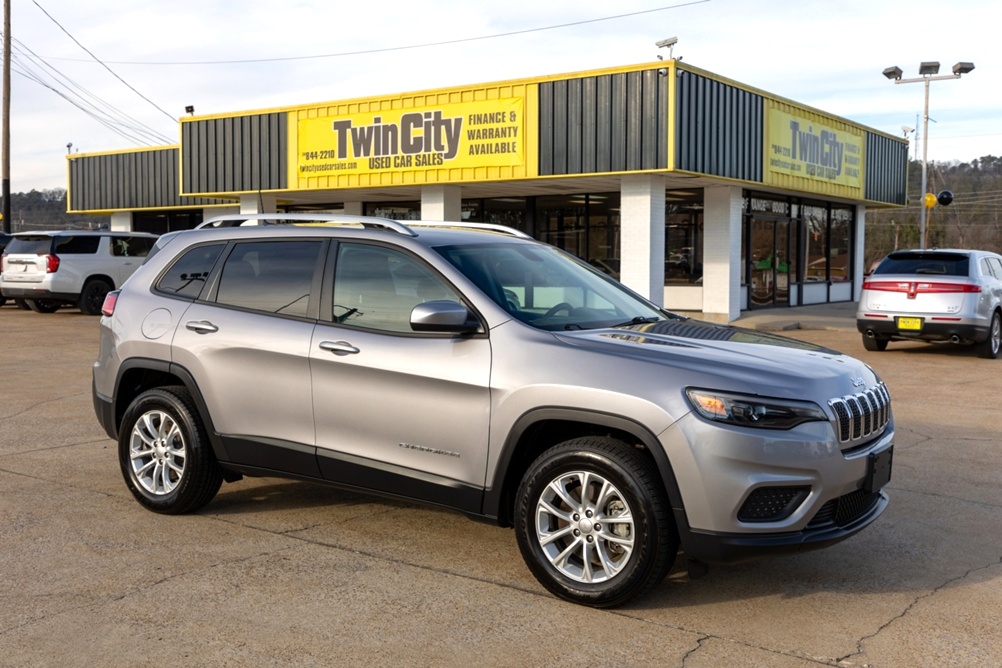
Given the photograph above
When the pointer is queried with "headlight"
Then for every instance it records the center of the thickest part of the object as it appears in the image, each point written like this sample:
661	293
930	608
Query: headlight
751	411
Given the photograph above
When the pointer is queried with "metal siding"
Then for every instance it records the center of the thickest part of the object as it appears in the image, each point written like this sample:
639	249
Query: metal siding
634	121
886	170
603	124
545	128
719	127
589	124
135	180
236	154
617	124
560	127
574	116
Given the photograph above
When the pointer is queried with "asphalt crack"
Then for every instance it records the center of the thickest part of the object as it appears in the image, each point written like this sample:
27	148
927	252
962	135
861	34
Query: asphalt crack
845	660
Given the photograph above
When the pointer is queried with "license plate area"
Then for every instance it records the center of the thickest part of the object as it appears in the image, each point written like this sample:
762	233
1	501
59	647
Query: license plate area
878	472
909	324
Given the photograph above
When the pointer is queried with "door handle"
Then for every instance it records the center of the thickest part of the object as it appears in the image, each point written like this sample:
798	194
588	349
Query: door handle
340	348
201	326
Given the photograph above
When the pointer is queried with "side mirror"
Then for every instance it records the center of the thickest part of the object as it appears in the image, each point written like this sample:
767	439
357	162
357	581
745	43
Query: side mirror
443	316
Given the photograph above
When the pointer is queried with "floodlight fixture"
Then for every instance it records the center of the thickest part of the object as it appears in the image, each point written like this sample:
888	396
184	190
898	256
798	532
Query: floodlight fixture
190	109
671	41
893	72
929	67
962	68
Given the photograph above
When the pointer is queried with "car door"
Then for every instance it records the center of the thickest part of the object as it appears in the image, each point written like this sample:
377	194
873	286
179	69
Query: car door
397	411
247	345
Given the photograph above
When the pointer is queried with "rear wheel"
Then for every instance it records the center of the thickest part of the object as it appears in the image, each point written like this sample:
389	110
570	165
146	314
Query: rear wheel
989	348
92	296
593	522
874	343
165	454
42	305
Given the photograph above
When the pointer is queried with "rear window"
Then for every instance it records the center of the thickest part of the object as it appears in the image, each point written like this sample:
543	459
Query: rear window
38	244
933	262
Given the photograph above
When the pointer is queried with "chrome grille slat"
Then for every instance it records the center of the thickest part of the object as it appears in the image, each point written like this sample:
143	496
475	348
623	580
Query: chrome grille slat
861	415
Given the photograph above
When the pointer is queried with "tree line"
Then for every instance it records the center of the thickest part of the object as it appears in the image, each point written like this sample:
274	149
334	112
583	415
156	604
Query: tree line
46	210
972	220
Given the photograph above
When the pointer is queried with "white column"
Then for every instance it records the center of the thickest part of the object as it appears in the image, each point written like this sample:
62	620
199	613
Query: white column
722	209
442	203
354	208
859	252
121	221
258	203
642	227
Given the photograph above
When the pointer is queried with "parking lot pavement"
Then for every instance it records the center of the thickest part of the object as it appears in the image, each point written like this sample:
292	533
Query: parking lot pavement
275	572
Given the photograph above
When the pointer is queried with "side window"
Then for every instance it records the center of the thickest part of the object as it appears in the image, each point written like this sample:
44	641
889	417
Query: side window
271	276
376	288
82	245
186	277
996	267
131	246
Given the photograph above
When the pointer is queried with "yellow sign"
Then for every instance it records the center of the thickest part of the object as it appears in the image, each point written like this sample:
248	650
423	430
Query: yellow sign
489	133
803	147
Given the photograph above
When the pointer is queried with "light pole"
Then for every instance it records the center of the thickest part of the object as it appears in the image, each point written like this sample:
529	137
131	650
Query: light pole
928	72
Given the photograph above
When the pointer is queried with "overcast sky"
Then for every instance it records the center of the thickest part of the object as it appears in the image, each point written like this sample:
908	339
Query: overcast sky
138	64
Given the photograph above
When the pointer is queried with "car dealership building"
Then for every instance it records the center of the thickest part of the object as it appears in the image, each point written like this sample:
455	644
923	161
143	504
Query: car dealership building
697	191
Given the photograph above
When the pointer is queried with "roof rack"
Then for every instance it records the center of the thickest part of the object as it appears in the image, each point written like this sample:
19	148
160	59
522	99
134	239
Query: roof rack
369	222
255	219
487	227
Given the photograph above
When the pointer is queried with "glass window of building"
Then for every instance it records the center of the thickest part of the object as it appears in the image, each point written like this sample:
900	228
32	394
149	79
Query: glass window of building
815	254
683	237
840	240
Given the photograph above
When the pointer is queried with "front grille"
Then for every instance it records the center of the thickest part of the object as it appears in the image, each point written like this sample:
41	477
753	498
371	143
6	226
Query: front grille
772	504
861	415
845	509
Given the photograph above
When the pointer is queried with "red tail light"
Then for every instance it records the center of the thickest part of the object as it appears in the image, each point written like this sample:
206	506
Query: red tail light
110	300
919	287
51	264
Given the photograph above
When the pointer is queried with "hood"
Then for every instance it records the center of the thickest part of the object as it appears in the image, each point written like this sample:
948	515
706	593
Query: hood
726	357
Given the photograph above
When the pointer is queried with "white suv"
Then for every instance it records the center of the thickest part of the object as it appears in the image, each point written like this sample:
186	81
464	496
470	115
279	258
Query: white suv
49	269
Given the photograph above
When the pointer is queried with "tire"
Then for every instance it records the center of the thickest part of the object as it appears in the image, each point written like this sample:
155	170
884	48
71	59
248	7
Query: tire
165	454
92	296
577	545
21	304
989	348
42	305
874	343
3	300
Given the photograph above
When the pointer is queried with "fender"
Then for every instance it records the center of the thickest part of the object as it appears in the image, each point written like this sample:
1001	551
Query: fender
181	373
493	496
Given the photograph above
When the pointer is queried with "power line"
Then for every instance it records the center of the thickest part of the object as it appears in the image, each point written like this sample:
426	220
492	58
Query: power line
98	60
399	48
49	77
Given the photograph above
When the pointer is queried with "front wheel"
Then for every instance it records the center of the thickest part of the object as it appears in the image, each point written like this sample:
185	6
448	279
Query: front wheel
989	348
593	522
165	454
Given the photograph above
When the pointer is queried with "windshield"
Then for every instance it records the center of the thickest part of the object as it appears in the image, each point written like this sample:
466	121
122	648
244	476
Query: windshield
547	288
35	244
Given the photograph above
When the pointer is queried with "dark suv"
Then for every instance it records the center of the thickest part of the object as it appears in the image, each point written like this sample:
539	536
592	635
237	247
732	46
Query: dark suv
476	369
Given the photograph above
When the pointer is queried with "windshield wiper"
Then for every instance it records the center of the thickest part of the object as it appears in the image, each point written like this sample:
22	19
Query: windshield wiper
639	320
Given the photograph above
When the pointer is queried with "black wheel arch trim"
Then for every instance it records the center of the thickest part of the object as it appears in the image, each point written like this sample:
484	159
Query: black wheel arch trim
494	495
178	371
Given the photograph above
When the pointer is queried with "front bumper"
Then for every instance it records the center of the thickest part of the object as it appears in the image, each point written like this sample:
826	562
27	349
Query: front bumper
748	493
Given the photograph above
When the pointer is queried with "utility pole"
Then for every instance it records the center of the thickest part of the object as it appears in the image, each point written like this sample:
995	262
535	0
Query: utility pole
6	117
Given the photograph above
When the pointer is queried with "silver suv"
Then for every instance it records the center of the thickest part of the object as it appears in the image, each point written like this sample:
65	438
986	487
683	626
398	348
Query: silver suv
476	369
50	269
938	296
